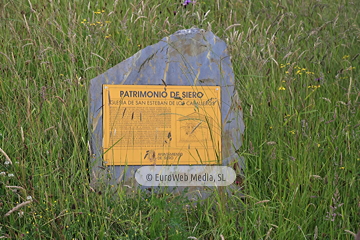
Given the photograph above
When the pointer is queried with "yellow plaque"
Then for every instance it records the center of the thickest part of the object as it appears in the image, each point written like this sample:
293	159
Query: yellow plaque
161	125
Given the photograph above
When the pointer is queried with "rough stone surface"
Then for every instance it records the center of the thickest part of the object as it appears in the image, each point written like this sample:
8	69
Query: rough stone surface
187	57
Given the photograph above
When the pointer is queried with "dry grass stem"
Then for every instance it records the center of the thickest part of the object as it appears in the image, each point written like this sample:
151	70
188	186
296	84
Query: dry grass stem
263	201
17	207
17	187
6	156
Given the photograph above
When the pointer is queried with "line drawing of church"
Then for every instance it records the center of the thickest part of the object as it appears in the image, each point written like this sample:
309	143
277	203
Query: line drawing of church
195	127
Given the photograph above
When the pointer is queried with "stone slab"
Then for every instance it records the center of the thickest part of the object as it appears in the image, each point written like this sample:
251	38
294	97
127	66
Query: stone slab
191	57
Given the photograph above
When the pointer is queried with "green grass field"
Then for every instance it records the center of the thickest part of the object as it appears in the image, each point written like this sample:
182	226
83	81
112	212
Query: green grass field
297	68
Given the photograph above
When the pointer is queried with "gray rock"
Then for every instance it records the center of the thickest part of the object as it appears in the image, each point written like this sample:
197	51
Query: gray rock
187	57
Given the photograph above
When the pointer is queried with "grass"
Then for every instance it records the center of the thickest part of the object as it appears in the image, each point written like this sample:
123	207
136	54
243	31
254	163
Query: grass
297	69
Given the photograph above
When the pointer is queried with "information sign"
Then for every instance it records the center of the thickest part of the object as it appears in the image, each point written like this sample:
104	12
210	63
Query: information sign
161	125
